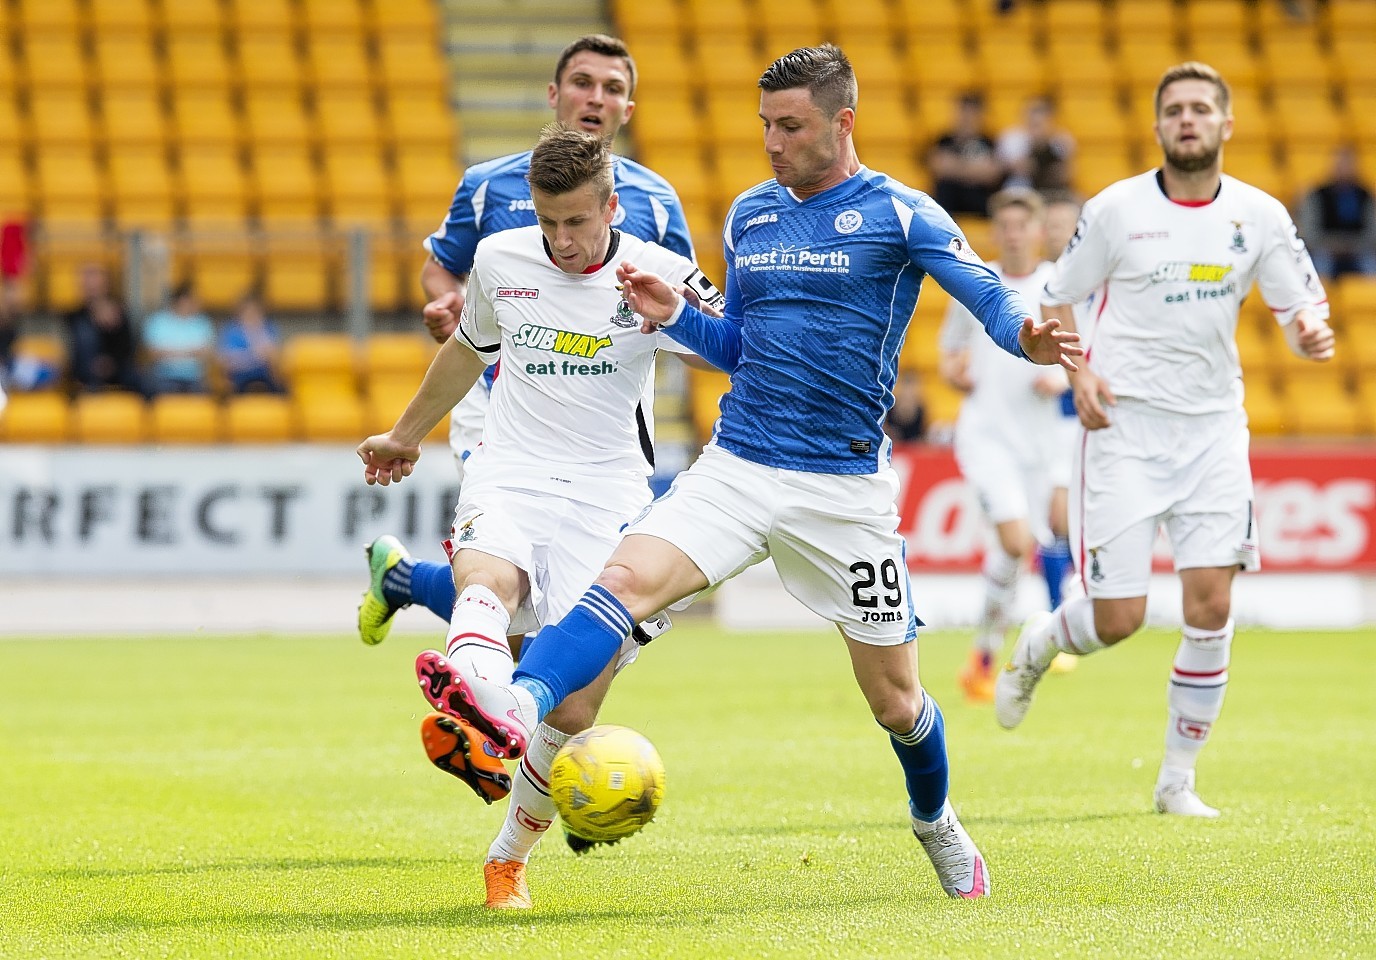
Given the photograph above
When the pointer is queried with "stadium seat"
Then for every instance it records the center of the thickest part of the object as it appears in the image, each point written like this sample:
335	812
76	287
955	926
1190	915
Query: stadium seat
44	417
1094	115
1228	53
275	17
1230	17
943	20
125	61
287	185
301	280
319	353
337	61
385	396
225	269
398	354
670	121
337	417
359	189
200	15
663	69
259	418
54	61
110	418
731	63
1294	60
268	62
411	17
121	16
186	419
1143	56
1351	18
1080	61
786	25
1318	402
427	180
733	117
197	60
14	130
411	62
133	119
1010	61
1266	415
422	120
276	118
640	20
141	187
47	349
1075	19
705	390
347	118
61	118
16	186
205	118
332	16
1356	295
1307	116
710	20
213	186
68	179
880	69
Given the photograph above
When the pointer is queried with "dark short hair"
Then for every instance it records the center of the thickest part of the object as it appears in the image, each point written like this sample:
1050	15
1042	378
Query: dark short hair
1194	70
565	159
824	71
595	43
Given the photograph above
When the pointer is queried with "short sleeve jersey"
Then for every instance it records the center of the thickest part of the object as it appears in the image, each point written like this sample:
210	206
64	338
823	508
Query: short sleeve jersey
565	415
824	289
495	196
1174	277
1003	408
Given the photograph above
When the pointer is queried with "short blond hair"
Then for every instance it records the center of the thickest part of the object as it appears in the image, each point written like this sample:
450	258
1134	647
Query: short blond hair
1194	70
1025	197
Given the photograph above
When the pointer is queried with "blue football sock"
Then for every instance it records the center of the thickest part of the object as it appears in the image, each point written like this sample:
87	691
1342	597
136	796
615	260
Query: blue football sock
396	583
922	753
1056	564
432	586
570	654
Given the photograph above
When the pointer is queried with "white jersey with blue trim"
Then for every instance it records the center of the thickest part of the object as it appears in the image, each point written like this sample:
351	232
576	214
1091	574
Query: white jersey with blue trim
823	290
495	196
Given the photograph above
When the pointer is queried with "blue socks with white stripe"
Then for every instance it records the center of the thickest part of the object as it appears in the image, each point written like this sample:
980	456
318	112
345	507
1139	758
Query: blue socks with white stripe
922	754
570	654
1056	566
425	582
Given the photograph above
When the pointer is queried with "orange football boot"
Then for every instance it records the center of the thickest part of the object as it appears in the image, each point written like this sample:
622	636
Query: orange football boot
458	749
977	677
506	885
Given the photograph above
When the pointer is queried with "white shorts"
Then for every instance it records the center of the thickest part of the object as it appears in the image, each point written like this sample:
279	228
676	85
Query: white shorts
1007	488
466	424
1062	461
1188	473
561	544
834	538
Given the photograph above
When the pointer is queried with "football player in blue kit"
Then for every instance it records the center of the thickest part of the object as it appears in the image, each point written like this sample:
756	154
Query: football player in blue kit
824	263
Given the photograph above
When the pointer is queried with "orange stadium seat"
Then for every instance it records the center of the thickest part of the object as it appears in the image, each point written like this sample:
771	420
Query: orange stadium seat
1075	19
1228	53
1077	61
301	281
384	399
1295	60
1131	19
186	419
14	131
1351	17
711	20
44	417
733	117
861	18
224	269
110	418
1352	60
1012	61
1143	57
69	180
1094	115
669	120
731	62
259	418
879	65
51	15
1307	116
786	25
427	180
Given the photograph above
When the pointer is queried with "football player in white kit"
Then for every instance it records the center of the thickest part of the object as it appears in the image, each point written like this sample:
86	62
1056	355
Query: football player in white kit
563	464
1008	438
1160	398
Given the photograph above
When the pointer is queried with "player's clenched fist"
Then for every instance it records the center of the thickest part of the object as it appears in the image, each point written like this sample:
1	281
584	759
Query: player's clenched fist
385	460
441	315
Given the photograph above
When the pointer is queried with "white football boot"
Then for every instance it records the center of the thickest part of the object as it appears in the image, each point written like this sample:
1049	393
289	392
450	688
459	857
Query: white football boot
1018	679
958	862
1176	795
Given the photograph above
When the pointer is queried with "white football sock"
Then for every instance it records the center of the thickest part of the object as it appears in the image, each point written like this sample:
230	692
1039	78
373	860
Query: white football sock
1000	573
1194	698
531	811
477	636
1070	629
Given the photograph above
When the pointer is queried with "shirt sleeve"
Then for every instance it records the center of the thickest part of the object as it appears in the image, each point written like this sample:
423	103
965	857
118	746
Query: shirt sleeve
680	270
478	328
1289	283
1087	260
937	246
453	245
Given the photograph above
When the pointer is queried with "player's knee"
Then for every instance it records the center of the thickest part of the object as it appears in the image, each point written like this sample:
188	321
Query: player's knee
621	582
1117	622
1209	612
896	710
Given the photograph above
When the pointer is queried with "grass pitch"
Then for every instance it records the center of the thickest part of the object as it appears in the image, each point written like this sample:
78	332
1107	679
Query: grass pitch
268	797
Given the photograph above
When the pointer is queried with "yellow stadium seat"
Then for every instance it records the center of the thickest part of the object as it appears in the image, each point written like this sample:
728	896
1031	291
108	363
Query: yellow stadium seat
268	62
940	70
1266	414
786	25
301	281
1319	403
259	418
54	61
319	353
44	417
422	119
213	185
885	118
1132	19
1217	16
347	118
384	399
637	21
61	118
1351	17
253	17
730	63
1143	56
332	16
663	68
670	121
287	184
69	175
276	118
408	62
1094	115
428	179
879	67
125	60
1075	18
224	274
337	61
398	354
192	15
186	419
1307	116
14	131
197	59
1254	164
16	188
1229	54
413	17
1357	295
359	189
1097	166
141	187
710	20
121	16
331	418
110	418
733	118
1352	61
1012	61
133	119
205	118
43	347
1079	60
1294	59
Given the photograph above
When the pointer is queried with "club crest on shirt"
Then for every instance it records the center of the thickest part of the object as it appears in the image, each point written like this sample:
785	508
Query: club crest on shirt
848	221
624	315
1239	241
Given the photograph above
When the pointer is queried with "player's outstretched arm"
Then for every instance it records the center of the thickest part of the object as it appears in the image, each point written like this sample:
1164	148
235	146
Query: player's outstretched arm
716	339
389	457
1310	337
1048	343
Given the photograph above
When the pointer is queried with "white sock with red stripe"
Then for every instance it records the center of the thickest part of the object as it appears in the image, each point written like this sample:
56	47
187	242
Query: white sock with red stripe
1000	572
1070	630
1194	699
531	811
477	636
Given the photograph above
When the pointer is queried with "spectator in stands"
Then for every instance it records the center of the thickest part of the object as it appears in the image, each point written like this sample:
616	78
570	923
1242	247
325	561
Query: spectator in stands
907	420
965	163
1035	153
1338	220
248	348
102	348
180	340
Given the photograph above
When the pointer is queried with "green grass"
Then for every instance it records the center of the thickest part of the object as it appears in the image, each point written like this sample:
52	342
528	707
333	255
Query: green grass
268	797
